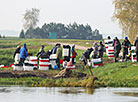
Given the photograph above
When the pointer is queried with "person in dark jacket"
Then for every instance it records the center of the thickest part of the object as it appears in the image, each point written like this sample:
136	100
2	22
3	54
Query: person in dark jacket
17	51
74	54
54	49
58	55
23	53
95	51
109	38
16	55
126	45
86	56
41	52
117	48
101	49
136	44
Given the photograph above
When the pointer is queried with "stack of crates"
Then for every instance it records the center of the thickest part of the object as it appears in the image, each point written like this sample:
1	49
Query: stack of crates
53	60
66	54
33	60
133	54
18	67
96	62
110	52
28	67
108	43
44	64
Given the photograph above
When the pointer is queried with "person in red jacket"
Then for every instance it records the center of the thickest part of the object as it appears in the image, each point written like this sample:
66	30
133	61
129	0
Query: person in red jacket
74	54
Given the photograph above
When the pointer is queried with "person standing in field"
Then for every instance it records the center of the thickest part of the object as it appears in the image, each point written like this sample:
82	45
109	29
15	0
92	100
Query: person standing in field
86	56
136	45
41	51
126	45
74	54
117	48
54	49
101	50
58	54
16	55
23	53
95	51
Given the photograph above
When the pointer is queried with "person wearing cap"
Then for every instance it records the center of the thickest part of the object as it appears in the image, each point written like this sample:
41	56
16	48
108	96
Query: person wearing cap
73	53
109	38
23	53
41	51
117	48
126	45
16	55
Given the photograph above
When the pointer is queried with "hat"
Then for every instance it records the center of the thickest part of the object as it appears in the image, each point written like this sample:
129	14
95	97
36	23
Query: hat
43	46
73	45
24	44
18	46
126	38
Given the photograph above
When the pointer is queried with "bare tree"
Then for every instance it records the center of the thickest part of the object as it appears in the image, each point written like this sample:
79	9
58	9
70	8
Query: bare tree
31	18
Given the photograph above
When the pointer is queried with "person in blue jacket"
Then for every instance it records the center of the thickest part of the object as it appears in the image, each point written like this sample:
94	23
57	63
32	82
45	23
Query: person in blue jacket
23	53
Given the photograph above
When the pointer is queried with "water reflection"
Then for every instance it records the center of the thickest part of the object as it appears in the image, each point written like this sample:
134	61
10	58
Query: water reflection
89	91
4	90
77	91
70	91
127	94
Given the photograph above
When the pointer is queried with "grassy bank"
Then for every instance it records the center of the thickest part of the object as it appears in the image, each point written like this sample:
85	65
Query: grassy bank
110	75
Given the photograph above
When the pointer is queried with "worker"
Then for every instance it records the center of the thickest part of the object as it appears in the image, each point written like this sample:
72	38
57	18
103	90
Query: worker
41	51
74	54
101	50
16	55
58	54
86	56
54	49
23	53
117	48
126	45
95	51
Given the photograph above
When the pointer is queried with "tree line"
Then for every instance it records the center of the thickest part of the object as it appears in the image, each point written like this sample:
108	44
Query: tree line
70	31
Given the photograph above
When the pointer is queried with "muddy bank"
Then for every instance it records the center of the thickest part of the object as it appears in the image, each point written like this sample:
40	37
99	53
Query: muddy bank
19	74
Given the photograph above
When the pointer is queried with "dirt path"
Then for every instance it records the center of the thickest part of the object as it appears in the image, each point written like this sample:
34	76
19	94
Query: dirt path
76	46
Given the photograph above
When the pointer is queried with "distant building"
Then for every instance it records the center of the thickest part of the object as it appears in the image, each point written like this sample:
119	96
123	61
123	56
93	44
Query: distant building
52	35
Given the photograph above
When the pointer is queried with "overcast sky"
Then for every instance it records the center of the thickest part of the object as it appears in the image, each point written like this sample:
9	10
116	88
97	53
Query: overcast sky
96	13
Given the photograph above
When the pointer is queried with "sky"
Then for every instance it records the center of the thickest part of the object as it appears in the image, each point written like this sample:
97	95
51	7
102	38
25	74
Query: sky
96	13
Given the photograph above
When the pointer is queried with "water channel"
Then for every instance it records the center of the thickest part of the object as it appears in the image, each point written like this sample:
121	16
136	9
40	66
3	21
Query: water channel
43	94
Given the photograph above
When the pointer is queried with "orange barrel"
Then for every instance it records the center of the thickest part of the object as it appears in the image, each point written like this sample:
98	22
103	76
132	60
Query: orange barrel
43	64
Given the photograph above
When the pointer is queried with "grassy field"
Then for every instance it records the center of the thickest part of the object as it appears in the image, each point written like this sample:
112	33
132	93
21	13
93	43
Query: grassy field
110	75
